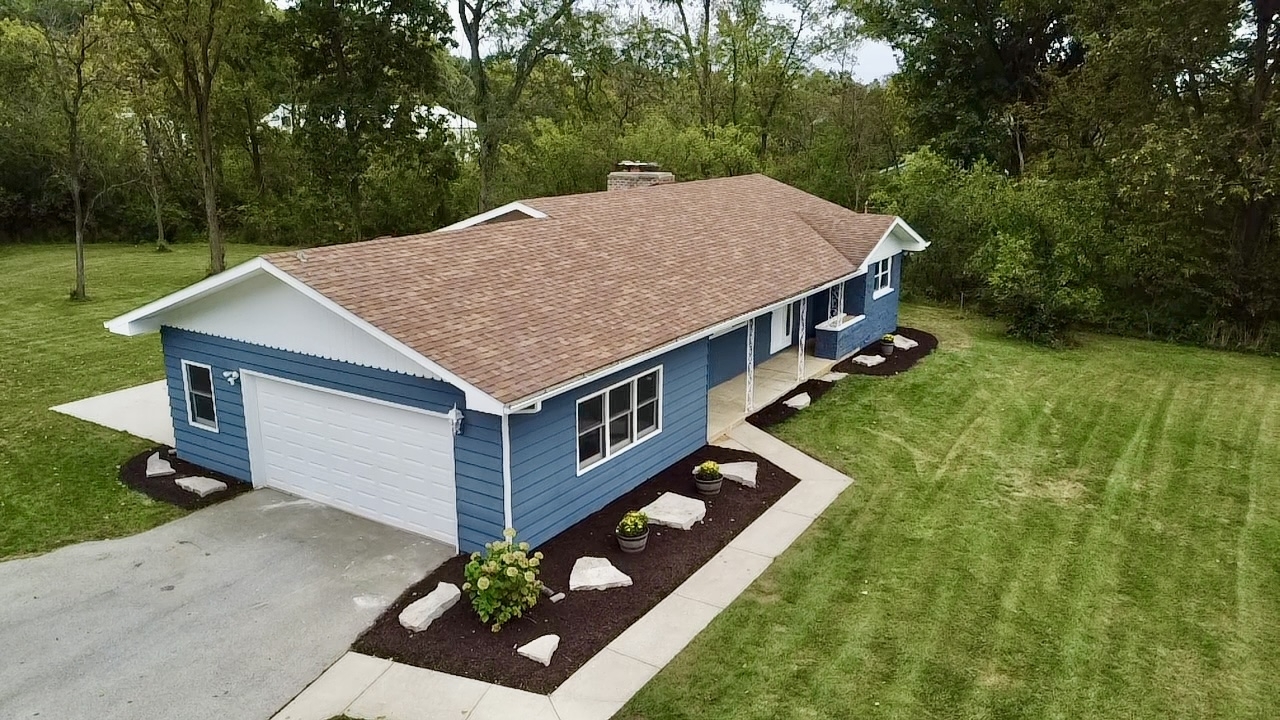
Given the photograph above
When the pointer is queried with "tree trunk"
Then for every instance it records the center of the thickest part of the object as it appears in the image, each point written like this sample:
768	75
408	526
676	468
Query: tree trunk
487	157
209	179
153	185
255	148
77	204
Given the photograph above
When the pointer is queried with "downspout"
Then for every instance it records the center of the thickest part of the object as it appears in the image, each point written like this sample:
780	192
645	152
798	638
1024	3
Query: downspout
506	469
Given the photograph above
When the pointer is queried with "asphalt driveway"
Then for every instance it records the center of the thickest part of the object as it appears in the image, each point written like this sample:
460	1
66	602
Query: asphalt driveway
226	613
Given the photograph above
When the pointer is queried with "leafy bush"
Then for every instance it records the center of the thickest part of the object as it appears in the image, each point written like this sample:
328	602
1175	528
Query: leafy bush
503	583
709	470
633	524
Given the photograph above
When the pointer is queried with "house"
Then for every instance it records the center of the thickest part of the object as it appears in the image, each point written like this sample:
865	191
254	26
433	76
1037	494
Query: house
526	366
461	128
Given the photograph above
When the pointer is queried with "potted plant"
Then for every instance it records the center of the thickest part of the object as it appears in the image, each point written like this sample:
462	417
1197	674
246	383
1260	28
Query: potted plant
633	531
707	477
886	345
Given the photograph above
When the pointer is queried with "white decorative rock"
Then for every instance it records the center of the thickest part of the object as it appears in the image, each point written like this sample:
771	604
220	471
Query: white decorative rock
743	473
540	650
200	485
869	360
677	511
593	573
902	342
158	466
423	611
799	402
834	377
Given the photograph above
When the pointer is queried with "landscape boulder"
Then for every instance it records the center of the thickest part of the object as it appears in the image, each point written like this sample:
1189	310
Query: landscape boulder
201	485
869	360
743	473
595	573
423	611
541	649
799	402
676	511
158	466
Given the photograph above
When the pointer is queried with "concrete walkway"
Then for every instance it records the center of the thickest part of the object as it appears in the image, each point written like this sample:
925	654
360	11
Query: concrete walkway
366	687
142	410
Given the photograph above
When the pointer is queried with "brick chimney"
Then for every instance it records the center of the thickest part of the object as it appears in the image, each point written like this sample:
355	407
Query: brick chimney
633	174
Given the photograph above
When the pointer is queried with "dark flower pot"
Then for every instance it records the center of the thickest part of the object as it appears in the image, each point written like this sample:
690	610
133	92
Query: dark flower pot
633	544
708	486
886	348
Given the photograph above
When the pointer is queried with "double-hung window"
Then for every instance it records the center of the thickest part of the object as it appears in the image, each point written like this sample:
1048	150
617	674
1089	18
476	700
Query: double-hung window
882	278
617	418
198	380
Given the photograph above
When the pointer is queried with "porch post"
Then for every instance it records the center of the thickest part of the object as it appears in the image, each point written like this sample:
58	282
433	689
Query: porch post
801	327
751	365
835	306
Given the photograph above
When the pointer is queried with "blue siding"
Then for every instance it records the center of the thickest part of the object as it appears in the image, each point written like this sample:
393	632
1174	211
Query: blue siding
477	452
729	351
882	316
548	496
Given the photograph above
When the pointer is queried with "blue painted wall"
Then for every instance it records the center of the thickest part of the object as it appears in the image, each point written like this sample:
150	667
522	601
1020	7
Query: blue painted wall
477	452
882	316
729	351
548	495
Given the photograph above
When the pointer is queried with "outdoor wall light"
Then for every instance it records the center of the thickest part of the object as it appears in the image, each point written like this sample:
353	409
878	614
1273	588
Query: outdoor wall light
455	420
231	376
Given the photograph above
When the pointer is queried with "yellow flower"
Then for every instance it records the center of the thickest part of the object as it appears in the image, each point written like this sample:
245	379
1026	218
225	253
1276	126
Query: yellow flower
538	555
528	576
509	533
483	583
524	546
512	572
534	562
506	558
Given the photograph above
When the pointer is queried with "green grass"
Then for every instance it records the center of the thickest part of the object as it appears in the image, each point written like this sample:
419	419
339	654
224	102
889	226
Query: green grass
1091	533
58	475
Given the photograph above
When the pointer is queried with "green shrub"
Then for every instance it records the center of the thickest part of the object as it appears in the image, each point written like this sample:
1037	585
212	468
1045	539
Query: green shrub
503	583
709	470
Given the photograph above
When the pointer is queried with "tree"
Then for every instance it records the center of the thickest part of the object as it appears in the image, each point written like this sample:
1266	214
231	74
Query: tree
186	42
71	75
525	35
970	69
368	72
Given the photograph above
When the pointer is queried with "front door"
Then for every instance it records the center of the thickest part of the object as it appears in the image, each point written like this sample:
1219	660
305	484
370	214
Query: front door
780	326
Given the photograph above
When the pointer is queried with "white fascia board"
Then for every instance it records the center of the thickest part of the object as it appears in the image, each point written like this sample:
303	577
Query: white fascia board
899	237
145	320
134	322
477	399
717	329
486	216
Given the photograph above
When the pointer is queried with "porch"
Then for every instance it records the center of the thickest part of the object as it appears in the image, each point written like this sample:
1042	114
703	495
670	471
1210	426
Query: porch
727	403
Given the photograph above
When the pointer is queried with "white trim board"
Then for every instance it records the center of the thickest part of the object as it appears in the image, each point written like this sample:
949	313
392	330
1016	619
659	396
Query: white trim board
151	316
484	217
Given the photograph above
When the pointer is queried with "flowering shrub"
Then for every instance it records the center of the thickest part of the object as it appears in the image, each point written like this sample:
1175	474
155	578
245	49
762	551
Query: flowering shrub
503	582
709	470
633	524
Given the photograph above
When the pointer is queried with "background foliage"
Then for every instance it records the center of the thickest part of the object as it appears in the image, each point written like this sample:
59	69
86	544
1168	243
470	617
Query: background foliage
1073	162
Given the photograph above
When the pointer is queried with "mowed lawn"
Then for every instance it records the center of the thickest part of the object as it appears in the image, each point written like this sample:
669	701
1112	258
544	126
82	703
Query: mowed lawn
58	475
1088	533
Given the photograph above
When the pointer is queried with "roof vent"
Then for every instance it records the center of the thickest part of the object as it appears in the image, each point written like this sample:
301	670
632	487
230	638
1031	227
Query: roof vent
633	174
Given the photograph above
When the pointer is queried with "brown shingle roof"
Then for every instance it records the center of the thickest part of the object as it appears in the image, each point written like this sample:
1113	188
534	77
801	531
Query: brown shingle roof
518	307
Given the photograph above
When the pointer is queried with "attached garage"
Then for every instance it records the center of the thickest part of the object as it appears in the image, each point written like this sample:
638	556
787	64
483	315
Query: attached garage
387	462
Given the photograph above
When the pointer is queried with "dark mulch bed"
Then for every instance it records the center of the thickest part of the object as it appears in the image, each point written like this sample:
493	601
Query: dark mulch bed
777	412
586	621
134	474
899	361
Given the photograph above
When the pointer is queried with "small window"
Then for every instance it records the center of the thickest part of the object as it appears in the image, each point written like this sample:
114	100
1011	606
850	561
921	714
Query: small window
201	411
618	417
883	276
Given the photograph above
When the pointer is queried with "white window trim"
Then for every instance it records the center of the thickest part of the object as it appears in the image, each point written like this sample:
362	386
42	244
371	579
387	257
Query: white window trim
186	397
875	277
607	456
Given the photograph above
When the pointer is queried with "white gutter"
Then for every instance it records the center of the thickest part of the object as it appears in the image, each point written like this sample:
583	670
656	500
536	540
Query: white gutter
506	472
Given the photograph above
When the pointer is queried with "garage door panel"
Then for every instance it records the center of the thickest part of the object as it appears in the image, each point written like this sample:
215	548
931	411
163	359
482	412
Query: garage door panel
384	462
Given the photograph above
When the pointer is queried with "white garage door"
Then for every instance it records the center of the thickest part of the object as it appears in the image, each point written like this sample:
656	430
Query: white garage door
385	462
